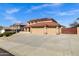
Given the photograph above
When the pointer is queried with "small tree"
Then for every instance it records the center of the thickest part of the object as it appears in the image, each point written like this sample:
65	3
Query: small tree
76	23
1	27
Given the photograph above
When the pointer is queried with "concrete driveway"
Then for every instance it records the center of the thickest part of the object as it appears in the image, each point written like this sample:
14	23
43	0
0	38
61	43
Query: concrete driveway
26	44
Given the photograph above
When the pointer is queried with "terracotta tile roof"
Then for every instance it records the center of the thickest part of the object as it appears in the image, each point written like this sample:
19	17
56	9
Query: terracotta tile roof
41	23
42	19
48	24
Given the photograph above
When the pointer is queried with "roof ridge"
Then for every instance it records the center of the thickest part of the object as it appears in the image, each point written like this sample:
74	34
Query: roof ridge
41	19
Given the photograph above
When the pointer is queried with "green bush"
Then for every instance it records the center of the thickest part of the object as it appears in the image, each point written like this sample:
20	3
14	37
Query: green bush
8	33
1	35
13	32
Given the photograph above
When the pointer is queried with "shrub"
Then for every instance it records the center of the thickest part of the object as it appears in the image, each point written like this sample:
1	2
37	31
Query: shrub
13	32
1	35
8	33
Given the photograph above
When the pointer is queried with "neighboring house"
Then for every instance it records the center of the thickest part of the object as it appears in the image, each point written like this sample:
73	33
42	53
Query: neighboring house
6	29
2	31
43	26
13	28
18	27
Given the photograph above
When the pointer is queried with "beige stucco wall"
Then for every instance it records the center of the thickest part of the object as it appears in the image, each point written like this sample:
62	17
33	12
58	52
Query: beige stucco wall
37	31
78	30
42	31
51	31
60	30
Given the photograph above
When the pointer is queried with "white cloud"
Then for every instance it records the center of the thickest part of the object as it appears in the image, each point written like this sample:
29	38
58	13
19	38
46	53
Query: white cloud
42	6
8	15
13	10
64	13
71	12
11	19
36	7
57	4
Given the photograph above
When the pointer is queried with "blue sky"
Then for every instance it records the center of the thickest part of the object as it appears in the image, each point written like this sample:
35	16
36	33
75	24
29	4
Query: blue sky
64	13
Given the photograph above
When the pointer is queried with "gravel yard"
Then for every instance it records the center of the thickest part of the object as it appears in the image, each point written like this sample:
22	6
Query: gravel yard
58	45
